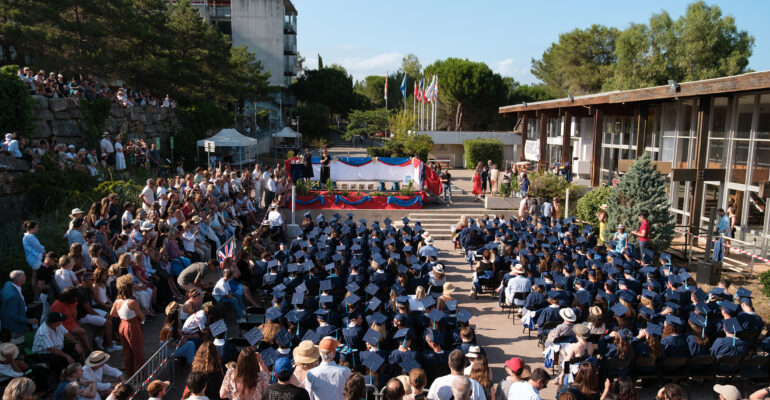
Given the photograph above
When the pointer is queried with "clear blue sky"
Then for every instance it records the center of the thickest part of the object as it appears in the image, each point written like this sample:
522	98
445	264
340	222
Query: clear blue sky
369	37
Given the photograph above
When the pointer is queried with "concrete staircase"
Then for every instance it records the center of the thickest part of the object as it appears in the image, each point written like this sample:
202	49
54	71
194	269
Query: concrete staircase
439	222
336	140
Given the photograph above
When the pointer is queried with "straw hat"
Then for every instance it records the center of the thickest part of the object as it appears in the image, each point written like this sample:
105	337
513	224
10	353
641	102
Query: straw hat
449	288
8	352
438	268
171	307
595	311
567	314
518	269
97	358
75	211
473	352
306	353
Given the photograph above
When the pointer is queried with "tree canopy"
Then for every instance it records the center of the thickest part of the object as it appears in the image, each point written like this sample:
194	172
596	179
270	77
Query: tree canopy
701	44
332	87
366	123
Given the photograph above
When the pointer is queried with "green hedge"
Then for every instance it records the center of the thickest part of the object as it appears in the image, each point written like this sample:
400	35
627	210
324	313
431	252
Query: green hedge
482	150
378	152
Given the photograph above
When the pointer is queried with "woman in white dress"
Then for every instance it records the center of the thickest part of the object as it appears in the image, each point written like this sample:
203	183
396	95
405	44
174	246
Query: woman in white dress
120	158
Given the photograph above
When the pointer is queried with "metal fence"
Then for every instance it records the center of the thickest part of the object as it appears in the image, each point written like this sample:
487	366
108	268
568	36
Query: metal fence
159	366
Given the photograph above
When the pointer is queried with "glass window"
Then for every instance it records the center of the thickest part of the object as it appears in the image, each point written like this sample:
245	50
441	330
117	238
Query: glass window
667	149
718	118
683	153
685	119
653	128
716	153
761	162
740	161
616	128
634	128
669	119
533	126
745	111
763	119
606	158
577	124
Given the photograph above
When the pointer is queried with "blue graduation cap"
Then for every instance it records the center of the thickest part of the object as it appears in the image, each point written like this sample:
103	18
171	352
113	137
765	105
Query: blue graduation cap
700	295
325	285
372	360
553	294
377	318
703	308
325	299
337	257
402	269
743	292
698	320
387	221
583	297
372	337
293	316
405	220
351	300
627	296
374	303
451	305
464	316
352	287
283	338
408	364
273	314
436	315
673	306
654	329
673	296
647	312
403	333
402	299
717	291
730	308
329	266
322	314
619	309
298	298
648	294
732	325
428	302
309	335
399	291
673	320
372	289
268	356
272	263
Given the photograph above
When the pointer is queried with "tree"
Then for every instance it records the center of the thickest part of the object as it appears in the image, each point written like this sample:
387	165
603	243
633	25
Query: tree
400	123
249	82
314	120
16	112
373	87
366	123
410	65
579	63
518	93
300	64
469	93
328	86
701	44
320	62
642	189
589	204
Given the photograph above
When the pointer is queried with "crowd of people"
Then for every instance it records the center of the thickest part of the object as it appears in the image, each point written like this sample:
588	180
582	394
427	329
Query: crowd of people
54	85
600	304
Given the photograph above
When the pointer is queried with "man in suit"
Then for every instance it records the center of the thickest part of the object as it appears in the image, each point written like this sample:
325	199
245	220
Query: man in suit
14	310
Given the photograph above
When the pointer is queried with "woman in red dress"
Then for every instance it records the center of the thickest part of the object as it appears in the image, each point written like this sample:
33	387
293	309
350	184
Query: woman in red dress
477	182
130	330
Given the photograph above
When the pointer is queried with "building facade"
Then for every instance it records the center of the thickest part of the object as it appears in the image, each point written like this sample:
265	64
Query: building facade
710	138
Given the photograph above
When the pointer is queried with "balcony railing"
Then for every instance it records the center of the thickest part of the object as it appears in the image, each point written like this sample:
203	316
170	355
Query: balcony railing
289	27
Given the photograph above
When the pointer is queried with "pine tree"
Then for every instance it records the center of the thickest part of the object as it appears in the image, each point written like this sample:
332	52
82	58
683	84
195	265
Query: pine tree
642	189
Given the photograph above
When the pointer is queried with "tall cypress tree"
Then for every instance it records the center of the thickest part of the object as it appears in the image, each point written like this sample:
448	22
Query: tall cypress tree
642	189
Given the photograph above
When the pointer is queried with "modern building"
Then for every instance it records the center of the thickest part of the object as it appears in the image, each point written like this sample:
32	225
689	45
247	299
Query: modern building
711	139
268	28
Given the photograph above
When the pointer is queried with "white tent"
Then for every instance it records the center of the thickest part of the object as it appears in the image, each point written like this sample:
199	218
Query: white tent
230	141
282	140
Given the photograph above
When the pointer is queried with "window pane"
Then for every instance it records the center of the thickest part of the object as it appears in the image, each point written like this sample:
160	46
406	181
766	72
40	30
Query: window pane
626	130
745	110
653	128
761	164
616	131
683	153
669	119
667	149
685	119
716	153
606	158
763	123
718	117
740	159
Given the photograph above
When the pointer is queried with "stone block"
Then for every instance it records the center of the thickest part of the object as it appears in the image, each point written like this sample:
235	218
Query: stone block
66	128
150	131
15	182
44	115
75	113
41	129
62	115
117	111
8	163
42	102
145	117
500	203
133	113
57	104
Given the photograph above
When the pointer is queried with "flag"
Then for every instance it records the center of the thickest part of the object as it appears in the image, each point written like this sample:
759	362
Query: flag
422	85
435	88
429	90
403	87
386	87
226	251
416	91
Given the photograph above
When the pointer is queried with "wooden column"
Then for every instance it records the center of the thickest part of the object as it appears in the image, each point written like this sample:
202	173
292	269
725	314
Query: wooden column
701	155
640	115
543	163
524	127
566	143
596	162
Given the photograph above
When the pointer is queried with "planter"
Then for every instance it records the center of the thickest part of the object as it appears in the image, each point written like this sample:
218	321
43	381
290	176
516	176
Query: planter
323	200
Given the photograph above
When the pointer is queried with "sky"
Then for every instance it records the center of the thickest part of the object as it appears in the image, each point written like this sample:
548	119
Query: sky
370	37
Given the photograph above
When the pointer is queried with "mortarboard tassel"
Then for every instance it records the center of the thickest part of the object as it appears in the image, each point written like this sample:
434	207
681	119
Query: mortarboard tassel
733	336
705	324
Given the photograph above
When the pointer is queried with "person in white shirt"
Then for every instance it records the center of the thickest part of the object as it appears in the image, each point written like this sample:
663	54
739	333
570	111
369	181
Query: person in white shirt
530	390
49	342
107	147
96	369
223	294
161	194
265	178
441	389
327	380
148	195
128	214
276	221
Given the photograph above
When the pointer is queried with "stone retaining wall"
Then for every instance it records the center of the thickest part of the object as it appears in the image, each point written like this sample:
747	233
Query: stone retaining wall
62	117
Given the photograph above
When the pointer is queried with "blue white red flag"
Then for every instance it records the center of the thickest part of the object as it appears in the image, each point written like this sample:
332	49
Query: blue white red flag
226	251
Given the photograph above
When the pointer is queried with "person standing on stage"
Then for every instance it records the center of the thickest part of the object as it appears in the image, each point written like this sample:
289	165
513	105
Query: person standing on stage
325	169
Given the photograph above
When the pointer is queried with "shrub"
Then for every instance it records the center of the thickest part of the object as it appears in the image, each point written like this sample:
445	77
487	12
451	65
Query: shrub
504	190
313	120
303	187
95	114
18	104
319	143
482	150
408	189
589	204
378	152
764	280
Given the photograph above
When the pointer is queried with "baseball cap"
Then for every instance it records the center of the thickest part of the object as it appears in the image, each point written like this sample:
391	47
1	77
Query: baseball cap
515	364
729	392
283	367
328	344
155	387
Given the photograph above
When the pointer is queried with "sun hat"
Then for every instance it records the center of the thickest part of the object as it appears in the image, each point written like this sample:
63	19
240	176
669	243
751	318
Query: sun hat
97	358
603	207
581	331
8	352
75	211
429	240
147	225
595	311
621	226
729	392
306	352
449	288
171	307
473	352
518	269
567	314
196	219
438	268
